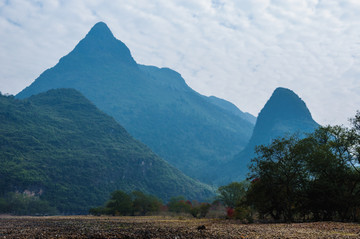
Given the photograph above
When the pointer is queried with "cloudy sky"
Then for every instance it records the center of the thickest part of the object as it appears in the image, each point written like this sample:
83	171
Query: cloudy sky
234	49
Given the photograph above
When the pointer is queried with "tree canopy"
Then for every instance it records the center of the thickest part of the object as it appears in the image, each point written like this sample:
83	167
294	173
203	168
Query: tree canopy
317	176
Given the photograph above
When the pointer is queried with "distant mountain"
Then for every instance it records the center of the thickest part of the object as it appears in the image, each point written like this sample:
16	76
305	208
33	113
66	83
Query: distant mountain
154	105
232	108
283	114
60	146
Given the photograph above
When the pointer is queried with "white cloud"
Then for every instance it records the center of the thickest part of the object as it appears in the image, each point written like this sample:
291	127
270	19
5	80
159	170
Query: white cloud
237	50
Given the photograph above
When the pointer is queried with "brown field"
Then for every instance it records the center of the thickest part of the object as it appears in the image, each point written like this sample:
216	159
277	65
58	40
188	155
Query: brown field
164	227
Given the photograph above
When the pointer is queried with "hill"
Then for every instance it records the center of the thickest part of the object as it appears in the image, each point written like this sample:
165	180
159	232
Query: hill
59	146
155	105
285	113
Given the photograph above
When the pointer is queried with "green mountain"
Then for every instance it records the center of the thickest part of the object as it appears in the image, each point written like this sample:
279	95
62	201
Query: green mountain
59	146
154	105
285	113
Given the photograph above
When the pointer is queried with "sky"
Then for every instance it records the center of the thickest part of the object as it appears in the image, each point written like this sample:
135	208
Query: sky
237	50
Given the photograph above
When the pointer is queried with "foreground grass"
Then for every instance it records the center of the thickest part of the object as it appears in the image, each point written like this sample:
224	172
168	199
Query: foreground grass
164	227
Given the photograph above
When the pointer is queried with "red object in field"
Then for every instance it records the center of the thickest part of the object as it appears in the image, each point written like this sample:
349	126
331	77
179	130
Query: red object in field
230	212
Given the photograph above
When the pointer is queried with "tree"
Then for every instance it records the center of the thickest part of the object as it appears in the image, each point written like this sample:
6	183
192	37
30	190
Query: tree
232	194
120	203
143	203
317	175
279	177
200	210
204	209
333	183
178	204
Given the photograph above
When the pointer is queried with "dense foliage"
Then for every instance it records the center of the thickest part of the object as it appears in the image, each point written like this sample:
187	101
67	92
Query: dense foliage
315	178
233	197
232	194
24	204
180	205
154	105
136	203
58	147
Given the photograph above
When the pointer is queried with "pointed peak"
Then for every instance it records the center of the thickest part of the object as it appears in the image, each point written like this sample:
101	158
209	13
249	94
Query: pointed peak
100	30
100	25
286	97
283	91
100	44
285	103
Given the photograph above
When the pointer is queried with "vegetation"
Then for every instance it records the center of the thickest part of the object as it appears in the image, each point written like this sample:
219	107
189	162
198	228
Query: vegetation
181	205
23	204
60	149
233	197
121	203
299	179
155	105
140	204
313	178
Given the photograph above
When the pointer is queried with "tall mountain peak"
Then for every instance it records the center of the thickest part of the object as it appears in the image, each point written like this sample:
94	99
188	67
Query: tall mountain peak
285	113
285	104
155	105
100	29
100	42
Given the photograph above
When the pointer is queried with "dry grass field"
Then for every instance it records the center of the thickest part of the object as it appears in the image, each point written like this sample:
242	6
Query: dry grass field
165	227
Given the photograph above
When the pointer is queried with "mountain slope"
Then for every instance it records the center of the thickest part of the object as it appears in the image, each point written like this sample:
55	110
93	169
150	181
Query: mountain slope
232	108
154	105
283	114
60	146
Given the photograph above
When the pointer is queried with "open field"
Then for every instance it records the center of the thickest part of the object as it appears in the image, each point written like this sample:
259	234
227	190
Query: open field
164	227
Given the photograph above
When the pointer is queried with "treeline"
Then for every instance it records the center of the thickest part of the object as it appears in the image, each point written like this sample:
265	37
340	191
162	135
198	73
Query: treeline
139	204
135	203
313	178
24	204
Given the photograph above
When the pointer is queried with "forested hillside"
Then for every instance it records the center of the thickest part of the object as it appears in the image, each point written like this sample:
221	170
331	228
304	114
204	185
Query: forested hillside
59	147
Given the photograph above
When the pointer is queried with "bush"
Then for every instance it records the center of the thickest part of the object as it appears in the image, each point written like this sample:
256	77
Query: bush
144	204
178	204
121	203
22	204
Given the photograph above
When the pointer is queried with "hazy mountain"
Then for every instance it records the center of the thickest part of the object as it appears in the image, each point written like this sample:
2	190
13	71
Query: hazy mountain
154	105
285	113
60	146
232	108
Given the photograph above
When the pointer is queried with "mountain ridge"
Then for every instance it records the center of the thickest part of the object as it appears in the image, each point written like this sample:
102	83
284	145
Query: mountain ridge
155	105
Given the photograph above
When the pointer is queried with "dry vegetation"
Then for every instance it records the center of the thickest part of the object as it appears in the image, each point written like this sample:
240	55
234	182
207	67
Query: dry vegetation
164	227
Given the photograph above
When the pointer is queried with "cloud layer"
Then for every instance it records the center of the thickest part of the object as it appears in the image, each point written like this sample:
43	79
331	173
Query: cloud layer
237	50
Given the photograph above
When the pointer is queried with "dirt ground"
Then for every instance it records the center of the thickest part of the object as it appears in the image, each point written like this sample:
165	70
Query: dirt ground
165	227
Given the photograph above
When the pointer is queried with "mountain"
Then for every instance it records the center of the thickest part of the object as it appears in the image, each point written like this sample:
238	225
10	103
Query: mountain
226	105
59	146
155	105
285	113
